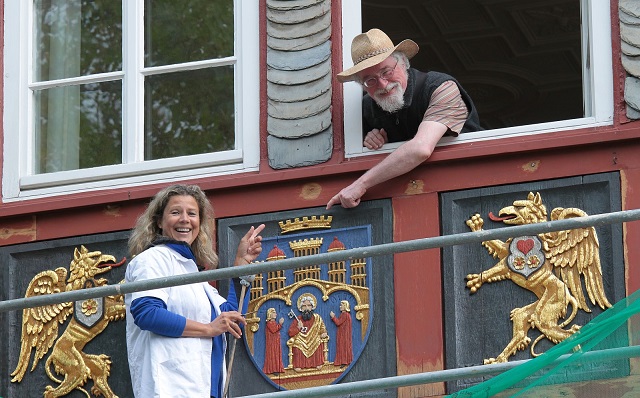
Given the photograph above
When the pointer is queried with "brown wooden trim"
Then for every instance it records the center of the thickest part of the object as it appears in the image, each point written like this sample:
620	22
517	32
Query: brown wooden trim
630	185
490	151
418	293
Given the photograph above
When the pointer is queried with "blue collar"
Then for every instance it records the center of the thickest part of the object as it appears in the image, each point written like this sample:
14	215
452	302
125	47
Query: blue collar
180	247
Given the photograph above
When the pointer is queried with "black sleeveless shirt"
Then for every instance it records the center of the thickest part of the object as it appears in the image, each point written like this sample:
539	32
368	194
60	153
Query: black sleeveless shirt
402	125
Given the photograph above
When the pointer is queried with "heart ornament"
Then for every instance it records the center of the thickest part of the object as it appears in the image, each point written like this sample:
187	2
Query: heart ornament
526	255
525	245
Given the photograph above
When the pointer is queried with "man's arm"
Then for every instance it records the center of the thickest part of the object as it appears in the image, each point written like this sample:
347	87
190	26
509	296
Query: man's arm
404	159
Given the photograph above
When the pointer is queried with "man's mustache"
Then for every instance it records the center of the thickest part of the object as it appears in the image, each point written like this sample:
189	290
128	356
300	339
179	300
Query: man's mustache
389	87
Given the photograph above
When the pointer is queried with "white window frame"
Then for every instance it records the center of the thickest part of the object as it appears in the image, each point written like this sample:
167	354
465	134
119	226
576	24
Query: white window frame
598	91
18	180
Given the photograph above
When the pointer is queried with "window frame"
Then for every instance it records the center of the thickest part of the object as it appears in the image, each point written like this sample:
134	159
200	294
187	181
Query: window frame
18	180
599	103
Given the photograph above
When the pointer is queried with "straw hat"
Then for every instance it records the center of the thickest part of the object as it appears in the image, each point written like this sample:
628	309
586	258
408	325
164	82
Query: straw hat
371	48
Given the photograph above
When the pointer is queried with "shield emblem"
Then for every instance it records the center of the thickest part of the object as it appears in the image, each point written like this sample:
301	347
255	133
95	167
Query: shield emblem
526	256
308	326
89	311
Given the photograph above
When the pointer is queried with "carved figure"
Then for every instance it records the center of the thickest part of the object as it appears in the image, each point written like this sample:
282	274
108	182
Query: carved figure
344	347
273	349
308	342
550	265
91	317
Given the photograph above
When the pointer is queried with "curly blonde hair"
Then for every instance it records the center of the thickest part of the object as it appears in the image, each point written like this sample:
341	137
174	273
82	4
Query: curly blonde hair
147	230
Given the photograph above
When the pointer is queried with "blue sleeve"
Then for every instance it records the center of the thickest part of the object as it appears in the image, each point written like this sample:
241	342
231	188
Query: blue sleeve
150	313
232	301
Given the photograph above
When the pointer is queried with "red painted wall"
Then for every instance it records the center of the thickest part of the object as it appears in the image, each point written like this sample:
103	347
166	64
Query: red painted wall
418	292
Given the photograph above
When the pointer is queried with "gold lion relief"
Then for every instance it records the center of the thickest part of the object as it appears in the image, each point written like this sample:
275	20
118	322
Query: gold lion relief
91	317
550	265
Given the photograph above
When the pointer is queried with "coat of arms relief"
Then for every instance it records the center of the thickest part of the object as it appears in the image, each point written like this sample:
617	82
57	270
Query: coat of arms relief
307	326
68	366
553	266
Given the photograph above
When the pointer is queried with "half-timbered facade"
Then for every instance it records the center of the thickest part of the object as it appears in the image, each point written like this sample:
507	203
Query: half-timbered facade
105	102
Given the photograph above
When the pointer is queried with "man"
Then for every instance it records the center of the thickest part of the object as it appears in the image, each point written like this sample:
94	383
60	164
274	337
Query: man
401	104
344	349
308	336
273	350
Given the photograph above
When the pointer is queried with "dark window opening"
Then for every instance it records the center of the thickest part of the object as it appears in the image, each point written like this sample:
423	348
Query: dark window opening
521	62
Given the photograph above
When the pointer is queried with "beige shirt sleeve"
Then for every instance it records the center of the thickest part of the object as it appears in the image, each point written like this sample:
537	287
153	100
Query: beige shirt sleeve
447	107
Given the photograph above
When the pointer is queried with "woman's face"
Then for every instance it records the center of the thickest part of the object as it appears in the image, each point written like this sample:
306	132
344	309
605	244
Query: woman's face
181	219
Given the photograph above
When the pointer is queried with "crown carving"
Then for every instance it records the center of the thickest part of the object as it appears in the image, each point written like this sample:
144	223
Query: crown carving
306	223
312	243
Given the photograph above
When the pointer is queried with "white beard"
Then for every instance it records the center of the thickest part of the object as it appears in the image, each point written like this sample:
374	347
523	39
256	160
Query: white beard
393	102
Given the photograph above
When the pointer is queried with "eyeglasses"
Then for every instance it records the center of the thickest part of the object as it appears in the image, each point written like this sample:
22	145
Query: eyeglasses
385	74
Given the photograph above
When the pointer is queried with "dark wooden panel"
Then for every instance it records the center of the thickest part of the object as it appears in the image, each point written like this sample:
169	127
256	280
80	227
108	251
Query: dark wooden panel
378	356
477	325
20	263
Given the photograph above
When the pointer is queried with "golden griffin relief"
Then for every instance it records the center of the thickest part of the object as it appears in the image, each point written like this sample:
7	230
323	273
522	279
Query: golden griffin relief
40	326
550	265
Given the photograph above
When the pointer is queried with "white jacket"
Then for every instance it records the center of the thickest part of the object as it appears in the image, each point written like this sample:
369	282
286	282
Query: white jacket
166	366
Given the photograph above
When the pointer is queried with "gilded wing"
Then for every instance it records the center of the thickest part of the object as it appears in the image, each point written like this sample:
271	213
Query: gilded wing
573	253
40	324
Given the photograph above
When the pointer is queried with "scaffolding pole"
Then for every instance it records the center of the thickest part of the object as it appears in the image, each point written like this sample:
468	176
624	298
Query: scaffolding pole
438	376
324	258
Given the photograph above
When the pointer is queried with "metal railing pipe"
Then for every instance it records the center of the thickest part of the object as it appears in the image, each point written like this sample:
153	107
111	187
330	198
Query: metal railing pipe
344	389
324	258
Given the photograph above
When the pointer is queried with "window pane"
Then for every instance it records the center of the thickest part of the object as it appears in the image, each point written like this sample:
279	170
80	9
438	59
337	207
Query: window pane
78	127
185	31
76	38
189	113
520	61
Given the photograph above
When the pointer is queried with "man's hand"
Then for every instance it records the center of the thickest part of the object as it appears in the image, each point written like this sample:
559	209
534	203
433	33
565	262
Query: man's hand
375	139
348	197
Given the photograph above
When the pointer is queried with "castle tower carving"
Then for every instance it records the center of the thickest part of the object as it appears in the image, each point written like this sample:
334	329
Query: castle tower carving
306	247
359	272
276	279
338	269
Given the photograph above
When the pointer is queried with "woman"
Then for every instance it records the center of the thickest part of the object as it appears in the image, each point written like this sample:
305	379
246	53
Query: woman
175	335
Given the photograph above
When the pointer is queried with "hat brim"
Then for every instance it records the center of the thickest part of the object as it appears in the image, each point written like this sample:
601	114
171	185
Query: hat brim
408	47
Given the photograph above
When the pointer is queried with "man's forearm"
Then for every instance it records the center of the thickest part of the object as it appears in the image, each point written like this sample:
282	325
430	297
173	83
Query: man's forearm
406	157
398	162
401	161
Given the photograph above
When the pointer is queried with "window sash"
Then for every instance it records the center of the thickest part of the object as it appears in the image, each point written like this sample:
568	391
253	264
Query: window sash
598	93
20	182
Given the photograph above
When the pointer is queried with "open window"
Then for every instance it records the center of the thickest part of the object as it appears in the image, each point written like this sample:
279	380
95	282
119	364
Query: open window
531	67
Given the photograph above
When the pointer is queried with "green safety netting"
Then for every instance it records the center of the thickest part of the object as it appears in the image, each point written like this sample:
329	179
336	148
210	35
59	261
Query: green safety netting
600	360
